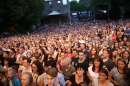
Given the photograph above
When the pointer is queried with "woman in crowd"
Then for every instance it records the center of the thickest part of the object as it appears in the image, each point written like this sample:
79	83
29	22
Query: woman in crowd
37	73
93	71
118	73
29	54
12	55
41	55
126	56
7	63
93	53
68	53
79	77
103	79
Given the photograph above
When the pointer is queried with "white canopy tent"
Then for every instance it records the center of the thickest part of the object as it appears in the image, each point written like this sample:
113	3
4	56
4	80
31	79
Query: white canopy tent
54	13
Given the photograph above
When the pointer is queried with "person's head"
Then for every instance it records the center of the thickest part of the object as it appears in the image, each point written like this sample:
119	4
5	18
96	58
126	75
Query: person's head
6	54
37	67
26	79
7	62
2	72
127	43
26	62
69	50
51	76
80	70
82	46
21	50
126	55
81	55
11	74
62	55
103	74
83	84
105	53
66	62
12	50
116	45
115	52
74	52
98	62
50	64
121	64
21	59
28	54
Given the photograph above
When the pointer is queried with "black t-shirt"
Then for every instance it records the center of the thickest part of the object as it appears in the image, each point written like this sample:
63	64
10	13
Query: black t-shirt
73	59
73	78
109	64
84	63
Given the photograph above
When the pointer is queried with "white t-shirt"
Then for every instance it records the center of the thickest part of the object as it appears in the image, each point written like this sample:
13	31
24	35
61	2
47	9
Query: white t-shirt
92	74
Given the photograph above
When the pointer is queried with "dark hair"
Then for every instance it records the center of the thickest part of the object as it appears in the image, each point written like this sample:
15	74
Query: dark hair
9	61
52	72
80	66
128	57
7	52
40	68
28	60
104	70
15	67
107	50
51	63
99	59
90	55
13	50
83	84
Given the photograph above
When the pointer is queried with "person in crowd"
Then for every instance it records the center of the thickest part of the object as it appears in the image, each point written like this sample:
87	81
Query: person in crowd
68	53
74	56
60	77
12	79
27	79
41	55
79	77
59	62
67	69
3	79
51	77
6	54
107	62
93	53
12	55
118	73
93	71
27	66
22	52
82	60
126	57
1	58
103	79
114	56
84	50
37	73
28	54
127	76
7	63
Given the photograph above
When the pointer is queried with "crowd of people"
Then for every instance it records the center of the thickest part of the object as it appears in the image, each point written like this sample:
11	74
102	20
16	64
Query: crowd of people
93	53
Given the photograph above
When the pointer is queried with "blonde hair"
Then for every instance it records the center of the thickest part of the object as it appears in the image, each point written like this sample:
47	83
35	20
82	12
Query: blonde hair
66	61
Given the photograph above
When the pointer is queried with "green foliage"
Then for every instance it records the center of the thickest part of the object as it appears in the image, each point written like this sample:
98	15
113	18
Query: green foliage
77	6
20	12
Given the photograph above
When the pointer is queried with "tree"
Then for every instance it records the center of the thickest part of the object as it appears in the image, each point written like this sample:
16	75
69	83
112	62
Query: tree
77	6
20	13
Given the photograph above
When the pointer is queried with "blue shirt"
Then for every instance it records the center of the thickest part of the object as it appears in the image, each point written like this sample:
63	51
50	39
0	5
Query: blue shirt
16	81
